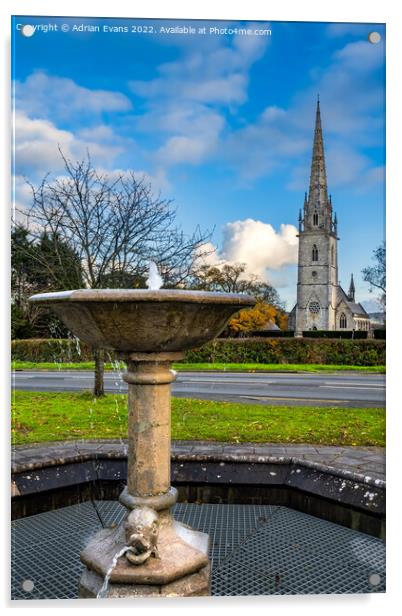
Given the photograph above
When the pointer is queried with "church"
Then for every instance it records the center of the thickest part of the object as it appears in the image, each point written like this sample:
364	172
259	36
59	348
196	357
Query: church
322	304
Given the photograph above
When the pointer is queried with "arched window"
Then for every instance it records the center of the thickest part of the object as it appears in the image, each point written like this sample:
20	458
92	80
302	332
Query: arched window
314	254
332	256
315	219
343	321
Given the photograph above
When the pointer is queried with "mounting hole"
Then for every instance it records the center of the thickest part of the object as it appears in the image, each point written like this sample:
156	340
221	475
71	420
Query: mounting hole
28	585
374	37
374	579
27	30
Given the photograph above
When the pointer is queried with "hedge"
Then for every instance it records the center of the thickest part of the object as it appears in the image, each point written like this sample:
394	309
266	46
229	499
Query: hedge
312	333
229	350
50	350
354	335
291	351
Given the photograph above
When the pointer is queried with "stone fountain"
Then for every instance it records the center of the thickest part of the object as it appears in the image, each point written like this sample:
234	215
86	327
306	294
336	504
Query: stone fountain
149	553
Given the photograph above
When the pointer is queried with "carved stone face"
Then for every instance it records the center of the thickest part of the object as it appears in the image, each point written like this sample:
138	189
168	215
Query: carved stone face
142	529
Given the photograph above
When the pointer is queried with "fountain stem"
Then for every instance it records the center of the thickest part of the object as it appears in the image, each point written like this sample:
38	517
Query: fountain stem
149	378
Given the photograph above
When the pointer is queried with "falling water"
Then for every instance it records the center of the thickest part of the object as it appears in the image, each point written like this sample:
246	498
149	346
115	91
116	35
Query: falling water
77	346
154	280
118	368
102	593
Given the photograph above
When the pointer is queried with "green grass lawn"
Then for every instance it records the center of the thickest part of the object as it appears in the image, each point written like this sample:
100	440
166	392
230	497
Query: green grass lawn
25	365
40	417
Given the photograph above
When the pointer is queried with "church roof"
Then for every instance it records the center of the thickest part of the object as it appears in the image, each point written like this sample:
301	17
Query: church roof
353	306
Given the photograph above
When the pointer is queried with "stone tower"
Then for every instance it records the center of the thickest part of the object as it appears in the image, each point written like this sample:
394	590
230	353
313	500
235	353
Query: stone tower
317	281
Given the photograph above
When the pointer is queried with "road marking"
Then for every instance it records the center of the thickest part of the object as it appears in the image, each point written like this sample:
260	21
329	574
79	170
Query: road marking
349	383
371	387
302	399
57	375
214	380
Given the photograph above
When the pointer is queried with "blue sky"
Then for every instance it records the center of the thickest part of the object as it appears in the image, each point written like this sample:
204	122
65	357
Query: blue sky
221	123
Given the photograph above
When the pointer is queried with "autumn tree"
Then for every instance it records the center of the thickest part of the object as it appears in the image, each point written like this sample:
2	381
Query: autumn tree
233	278
252	319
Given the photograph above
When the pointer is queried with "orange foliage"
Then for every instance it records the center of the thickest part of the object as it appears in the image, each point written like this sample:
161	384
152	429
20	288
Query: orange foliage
282	320
252	318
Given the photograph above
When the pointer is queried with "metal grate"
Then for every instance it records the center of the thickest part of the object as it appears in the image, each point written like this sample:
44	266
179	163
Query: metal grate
295	553
255	550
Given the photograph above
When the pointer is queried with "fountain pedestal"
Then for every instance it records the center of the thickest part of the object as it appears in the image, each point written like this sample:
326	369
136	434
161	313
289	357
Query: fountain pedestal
149	329
181	567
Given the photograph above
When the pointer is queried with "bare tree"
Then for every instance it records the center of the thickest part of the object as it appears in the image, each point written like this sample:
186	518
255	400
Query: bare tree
115	225
233	278
376	274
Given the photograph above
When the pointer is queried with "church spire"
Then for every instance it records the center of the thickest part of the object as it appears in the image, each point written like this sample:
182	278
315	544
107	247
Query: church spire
318	206
351	294
318	193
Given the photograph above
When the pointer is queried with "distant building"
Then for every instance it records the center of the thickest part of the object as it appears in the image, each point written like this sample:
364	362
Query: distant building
322	304
377	320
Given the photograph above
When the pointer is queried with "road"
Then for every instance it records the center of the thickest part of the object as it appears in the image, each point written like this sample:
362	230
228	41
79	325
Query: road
290	389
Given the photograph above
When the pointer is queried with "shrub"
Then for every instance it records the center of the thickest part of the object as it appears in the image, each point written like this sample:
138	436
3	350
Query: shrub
290	351
58	350
356	335
227	350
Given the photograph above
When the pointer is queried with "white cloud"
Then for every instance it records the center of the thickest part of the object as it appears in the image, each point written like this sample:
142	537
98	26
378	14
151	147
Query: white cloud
272	113
208	75
360	56
37	141
157	180
99	132
336	30
352	120
351	94
200	131
186	99
345	165
263	250
183	149
260	148
22	197
189	100
46	96
375	175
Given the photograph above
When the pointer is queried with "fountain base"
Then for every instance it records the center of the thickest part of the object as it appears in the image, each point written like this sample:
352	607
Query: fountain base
182	568
192	585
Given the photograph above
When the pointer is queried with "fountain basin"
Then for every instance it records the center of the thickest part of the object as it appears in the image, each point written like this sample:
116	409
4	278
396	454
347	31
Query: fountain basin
144	321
